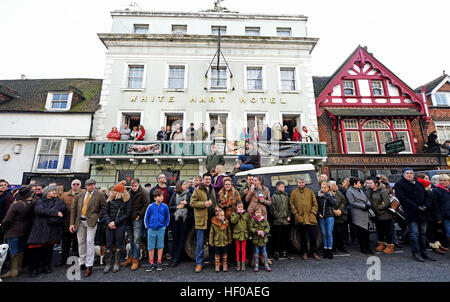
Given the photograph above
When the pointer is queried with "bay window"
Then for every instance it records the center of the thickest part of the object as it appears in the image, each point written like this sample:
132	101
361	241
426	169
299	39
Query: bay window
369	136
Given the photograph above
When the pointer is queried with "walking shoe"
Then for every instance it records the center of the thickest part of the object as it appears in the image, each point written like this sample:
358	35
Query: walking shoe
381	246
198	268
325	253
151	267
159	266
242	266
330	254
389	250
174	263
316	257
238	266
438	251
134	264
127	262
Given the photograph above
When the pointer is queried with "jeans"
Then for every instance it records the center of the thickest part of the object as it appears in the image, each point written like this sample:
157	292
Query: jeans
418	236
384	230
199	247
326	225
16	245
242	158
447	227
246	167
135	232
394	233
261	249
180	229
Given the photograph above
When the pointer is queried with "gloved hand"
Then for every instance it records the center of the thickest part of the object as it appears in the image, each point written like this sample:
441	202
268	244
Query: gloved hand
422	208
367	207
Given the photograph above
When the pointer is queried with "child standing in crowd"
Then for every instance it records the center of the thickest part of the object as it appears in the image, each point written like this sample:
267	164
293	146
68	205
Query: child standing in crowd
240	219
220	237
281	220
156	220
260	228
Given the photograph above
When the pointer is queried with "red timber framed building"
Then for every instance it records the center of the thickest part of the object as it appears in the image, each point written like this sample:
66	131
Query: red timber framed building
362	106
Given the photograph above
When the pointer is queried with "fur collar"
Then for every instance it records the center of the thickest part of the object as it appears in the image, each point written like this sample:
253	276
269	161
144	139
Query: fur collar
222	225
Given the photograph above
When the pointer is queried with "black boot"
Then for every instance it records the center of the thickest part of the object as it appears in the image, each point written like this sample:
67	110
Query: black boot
418	257
330	254
325	253
426	257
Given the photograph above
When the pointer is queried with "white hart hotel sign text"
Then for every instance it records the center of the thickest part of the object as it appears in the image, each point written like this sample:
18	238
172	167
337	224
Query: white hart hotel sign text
211	99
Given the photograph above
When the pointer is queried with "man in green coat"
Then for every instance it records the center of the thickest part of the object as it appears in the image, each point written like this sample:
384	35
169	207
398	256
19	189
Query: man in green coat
203	200
214	159
281	220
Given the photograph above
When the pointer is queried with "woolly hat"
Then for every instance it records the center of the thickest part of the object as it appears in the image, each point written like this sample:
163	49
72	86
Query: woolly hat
424	182
23	193
407	169
120	187
48	189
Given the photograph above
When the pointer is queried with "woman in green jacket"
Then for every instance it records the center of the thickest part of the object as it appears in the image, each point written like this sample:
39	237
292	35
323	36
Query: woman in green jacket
260	228
240	219
380	202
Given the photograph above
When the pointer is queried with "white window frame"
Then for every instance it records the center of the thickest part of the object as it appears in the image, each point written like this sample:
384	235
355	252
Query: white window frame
163	119
354	88
166	79
375	141
382	88
121	121
447	95
135	26
208	122
297	79
126	72
48	102
246	113
359	140
248	28
218	27
227	89
442	124
264	79
284	29
406	143
61	154
179	32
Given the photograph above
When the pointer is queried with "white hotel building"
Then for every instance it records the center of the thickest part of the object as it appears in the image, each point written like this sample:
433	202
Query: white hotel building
161	67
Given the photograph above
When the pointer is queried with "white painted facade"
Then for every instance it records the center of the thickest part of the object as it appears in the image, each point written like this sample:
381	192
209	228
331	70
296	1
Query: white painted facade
196	102
24	133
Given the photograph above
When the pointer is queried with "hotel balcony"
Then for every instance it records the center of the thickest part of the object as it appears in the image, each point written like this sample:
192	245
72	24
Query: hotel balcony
160	151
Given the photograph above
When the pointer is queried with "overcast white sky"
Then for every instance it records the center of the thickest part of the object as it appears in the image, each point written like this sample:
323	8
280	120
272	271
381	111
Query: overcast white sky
58	38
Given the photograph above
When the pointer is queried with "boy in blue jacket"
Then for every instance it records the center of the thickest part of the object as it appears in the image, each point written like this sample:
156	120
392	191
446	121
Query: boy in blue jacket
156	220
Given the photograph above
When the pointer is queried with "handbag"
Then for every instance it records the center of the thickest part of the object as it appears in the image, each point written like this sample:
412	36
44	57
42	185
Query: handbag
395	203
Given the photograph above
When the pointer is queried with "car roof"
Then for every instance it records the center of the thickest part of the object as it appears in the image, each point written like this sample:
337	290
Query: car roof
278	169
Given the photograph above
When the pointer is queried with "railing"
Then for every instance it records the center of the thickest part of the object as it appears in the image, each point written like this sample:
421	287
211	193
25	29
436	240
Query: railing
199	148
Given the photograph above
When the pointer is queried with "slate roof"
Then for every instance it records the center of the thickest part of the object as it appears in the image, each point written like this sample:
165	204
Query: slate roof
319	84
373	111
431	85
31	94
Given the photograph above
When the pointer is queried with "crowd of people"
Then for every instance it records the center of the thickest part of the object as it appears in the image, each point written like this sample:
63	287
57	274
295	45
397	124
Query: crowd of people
241	226
277	133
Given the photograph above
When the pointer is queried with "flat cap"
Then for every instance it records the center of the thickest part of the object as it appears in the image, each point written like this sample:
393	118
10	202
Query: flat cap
90	181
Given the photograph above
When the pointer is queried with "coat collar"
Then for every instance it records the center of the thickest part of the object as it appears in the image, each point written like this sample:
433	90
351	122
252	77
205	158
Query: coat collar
222	225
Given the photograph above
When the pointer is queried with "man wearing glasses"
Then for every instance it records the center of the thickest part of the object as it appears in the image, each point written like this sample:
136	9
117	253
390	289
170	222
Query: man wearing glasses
69	240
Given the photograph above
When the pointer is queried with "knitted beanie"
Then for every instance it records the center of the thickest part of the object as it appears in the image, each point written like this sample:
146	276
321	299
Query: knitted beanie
48	189
406	170
120	187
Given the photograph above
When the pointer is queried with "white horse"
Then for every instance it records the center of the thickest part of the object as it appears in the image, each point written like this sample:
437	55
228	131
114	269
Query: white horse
3	252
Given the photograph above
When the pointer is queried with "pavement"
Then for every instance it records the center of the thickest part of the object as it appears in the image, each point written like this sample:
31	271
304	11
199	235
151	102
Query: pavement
352	267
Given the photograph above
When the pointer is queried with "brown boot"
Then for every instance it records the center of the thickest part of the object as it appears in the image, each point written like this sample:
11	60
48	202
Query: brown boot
442	248
134	264
14	272
252	260
217	263
438	251
198	268
127	262
389	250
224	262
381	246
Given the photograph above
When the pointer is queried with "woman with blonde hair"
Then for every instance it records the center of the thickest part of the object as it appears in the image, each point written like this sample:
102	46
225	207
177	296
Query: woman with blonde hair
117	214
228	196
326	202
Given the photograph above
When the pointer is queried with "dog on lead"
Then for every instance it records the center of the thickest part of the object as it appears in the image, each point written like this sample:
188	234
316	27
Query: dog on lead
3	253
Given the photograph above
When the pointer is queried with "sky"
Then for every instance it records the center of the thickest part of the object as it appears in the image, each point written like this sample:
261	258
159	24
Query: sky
58	38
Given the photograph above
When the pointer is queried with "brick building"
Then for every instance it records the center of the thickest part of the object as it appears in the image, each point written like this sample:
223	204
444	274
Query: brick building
437	94
363	106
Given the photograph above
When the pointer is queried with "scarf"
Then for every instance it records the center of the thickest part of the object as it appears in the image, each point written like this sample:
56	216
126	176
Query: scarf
181	213
442	187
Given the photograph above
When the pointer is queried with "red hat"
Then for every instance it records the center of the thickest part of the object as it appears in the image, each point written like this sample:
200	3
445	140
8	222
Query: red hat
424	182
120	187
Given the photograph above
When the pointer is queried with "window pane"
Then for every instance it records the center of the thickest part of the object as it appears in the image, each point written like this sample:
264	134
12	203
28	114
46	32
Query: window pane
50	146
67	162
252	31
351	124
400	124
385	137
349	88
370	142
375	124
353	144
290	179
141	29
405	137
287	78
48	162
176	77
283	32
442	99
254	78
219	79
136	76
69	146
215	30
179	29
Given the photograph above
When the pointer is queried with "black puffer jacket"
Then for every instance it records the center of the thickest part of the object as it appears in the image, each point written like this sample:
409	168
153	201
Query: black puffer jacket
411	197
327	203
47	226
442	198
118	211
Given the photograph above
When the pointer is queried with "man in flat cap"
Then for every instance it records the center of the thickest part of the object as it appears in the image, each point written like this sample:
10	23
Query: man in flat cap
86	211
